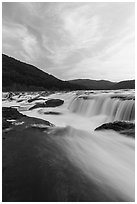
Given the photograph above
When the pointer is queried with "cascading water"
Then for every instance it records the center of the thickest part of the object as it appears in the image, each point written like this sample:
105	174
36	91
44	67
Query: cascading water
105	158
114	108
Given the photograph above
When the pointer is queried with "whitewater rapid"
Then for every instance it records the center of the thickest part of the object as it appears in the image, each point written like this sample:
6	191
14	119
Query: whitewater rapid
105	157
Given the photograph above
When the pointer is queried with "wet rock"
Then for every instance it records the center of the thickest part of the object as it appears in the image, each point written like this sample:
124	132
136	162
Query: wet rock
48	103
54	102
126	128
22	121
52	113
38	105
11	113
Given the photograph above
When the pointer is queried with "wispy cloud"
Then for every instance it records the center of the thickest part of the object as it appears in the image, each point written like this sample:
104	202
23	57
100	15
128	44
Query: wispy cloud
72	40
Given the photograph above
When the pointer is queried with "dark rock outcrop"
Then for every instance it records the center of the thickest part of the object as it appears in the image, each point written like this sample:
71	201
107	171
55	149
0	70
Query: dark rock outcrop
11	113
54	102
48	103
38	105
126	128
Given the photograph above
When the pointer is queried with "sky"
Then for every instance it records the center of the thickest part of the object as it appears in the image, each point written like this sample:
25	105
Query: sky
73	39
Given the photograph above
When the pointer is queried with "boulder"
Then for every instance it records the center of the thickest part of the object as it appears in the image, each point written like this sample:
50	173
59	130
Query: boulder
54	102
48	103
126	128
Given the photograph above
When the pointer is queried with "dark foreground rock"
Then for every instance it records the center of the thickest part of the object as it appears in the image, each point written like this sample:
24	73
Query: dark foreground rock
126	128
48	103
11	113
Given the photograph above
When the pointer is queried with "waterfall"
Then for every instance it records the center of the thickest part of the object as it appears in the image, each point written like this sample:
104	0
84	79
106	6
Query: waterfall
114	108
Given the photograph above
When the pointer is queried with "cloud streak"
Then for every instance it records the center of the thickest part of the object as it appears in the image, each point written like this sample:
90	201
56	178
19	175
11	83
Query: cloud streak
72	40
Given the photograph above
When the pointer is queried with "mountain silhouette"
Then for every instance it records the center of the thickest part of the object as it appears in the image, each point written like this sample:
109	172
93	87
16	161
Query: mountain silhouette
20	76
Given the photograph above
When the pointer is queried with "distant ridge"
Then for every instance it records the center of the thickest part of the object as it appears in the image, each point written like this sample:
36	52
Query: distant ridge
104	84
93	84
128	84
20	76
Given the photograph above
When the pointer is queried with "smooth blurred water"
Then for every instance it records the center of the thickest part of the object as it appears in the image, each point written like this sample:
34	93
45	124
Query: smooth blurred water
105	157
104	104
